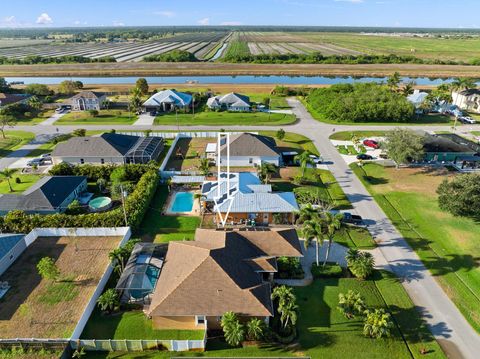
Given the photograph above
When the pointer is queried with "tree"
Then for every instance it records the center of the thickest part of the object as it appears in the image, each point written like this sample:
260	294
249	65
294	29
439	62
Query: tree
461	195
7	173
34	103
67	87
136	102
101	183
78	84
304	159
267	101
280	134
266	170
118	175
79	132
351	304
408	88
331	223
75	207
93	113
234	331
3	84
255	329
287	307
48	269
377	324
355	140
306	213
462	83
204	166
394	80
117	257
313	230
108	301
361	264
6	120
38	90
404	145
142	85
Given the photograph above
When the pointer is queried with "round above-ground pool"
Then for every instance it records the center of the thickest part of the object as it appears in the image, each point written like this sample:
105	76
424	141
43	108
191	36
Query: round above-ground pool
100	204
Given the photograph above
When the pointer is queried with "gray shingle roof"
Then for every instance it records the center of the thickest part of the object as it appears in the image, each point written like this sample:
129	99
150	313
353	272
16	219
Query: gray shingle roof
88	94
249	144
169	96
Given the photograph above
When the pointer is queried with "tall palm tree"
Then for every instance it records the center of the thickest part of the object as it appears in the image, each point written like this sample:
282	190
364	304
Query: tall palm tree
287	307
204	166
408	88
462	83
304	159
117	257
8	173
266	170
331	224
284	295
393	81
313	230
306	213
288	314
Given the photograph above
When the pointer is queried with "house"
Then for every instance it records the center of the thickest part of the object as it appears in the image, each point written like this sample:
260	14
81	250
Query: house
248	150
219	271
88	100
250	200
109	148
10	98
168	100
468	100
448	148
230	102
417	98
50	194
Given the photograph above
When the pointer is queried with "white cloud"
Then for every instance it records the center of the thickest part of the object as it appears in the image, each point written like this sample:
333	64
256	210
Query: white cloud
205	21
231	23
118	23
44	19
9	21
165	13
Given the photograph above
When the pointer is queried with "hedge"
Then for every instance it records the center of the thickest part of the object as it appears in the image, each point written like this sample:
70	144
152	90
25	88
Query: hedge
136	205
330	270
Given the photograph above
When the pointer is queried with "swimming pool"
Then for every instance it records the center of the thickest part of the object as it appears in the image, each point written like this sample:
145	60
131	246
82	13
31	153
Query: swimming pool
100	204
182	202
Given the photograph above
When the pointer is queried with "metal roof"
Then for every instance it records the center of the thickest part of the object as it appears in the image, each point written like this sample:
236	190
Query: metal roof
187	179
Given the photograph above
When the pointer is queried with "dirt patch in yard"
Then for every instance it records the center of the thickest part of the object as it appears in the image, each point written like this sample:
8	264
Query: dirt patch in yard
187	154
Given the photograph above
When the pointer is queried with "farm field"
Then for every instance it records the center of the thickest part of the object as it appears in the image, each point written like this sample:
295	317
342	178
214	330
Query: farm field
40	308
447	245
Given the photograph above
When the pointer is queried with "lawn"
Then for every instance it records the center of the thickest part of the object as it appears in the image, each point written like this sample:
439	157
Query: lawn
105	117
26	181
160	228
292	142
187	154
355	237
347	135
13	141
447	245
28	121
133	325
323	332
212	118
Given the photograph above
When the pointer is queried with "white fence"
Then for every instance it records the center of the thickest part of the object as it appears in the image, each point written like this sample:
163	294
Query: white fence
138	345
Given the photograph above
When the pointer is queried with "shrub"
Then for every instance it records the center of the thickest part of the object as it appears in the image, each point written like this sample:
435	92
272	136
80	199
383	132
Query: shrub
361	264
48	269
289	268
351	304
79	132
93	113
377	324
330	270
18	180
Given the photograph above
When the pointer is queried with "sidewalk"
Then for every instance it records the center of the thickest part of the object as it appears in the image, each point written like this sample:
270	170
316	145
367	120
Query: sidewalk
52	119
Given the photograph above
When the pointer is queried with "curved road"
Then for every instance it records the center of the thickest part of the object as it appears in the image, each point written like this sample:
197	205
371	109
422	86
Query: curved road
453	332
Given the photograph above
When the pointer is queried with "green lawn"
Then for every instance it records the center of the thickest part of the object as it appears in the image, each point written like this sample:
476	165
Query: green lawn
28	121
13	141
159	228
292	141
323	332
447	245
347	135
355	237
105	117
132	325
212	118
27	180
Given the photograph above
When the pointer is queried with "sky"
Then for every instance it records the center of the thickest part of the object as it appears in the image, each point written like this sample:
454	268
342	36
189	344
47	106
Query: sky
387	13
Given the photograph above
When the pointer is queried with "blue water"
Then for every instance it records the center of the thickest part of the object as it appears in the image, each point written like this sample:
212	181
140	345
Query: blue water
244	79
183	202
151	275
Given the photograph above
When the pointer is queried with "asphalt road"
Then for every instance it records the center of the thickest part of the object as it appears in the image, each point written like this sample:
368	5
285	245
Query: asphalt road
455	335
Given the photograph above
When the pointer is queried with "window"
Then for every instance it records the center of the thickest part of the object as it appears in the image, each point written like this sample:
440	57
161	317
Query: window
11	257
250	160
102	161
82	161
199	319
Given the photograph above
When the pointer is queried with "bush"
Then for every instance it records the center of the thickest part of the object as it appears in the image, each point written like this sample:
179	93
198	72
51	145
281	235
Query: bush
132	172
18	180
93	113
461	195
289	268
330	270
79	132
361	264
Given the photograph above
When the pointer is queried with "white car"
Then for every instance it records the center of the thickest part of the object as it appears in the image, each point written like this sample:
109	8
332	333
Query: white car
468	120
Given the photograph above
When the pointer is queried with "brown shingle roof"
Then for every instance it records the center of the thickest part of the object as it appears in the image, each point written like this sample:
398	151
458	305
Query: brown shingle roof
217	273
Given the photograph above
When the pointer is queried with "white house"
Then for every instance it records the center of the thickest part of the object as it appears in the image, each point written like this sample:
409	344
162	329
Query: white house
417	98
248	149
88	100
468	100
168	100
230	102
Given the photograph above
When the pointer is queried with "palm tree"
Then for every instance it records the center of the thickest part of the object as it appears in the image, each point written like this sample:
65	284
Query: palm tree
287	307
266	170
288	314
304	159
284	295
108	301
362	266
8	173
227	319
255	329
313	230
408	88
117	257
234	334
394	80
331	223
462	83
306	213
204	166
355	140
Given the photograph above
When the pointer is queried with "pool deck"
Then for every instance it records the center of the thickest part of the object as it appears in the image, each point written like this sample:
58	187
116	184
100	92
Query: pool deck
193	213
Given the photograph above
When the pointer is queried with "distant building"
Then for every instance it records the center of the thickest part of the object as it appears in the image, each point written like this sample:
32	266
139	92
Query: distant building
51	194
230	102
109	148
468	100
168	100
10	98
88	100
417	98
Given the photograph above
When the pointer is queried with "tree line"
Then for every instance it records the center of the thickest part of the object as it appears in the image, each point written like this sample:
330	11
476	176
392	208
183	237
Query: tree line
34	60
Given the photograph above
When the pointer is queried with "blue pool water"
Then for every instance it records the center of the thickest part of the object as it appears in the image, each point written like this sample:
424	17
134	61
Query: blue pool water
149	281
183	202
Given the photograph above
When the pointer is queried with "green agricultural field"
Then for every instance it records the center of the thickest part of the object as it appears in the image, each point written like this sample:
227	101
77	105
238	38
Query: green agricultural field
212	118
105	117
447	245
13	141
235	49
458	49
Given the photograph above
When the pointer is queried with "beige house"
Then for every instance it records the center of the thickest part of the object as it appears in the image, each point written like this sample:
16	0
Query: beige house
468	100
219	271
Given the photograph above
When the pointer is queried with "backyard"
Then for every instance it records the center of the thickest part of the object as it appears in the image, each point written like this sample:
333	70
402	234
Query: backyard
41	308
187	154
105	117
447	245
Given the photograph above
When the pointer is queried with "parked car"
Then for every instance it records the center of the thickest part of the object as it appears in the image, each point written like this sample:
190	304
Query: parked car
371	143
59	110
364	156
352	218
467	120
36	162
383	155
316	159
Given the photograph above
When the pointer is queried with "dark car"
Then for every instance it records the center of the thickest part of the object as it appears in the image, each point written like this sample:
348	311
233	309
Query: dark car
352	218
364	156
371	143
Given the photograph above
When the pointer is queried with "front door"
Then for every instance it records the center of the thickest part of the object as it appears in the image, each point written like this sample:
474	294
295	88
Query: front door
266	218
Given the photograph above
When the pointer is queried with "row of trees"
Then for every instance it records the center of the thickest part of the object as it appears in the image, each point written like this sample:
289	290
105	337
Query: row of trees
172	56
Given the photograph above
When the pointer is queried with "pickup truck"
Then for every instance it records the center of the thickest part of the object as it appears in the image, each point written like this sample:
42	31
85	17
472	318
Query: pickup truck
352	218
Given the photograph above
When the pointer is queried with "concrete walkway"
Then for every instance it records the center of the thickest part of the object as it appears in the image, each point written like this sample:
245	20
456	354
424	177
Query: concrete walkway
52	119
144	120
447	324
